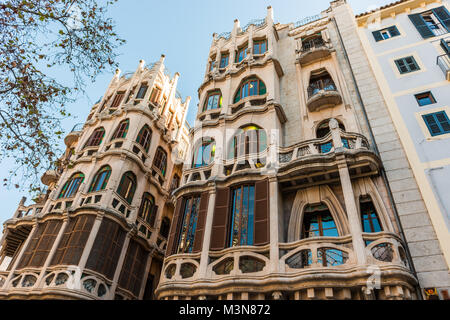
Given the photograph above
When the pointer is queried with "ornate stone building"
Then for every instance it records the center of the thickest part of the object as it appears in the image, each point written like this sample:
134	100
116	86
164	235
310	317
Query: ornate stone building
284	196
100	231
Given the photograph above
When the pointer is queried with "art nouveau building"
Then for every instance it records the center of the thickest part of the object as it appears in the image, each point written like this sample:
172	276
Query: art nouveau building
284	196
101	230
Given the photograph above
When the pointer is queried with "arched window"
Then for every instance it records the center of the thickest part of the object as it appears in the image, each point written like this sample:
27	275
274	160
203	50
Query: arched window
248	140
121	130
100	179
324	128
147	210
165	227
71	186
318	222
160	161
319	81
96	137
144	137
250	87
369	217
204	154
213	101
127	186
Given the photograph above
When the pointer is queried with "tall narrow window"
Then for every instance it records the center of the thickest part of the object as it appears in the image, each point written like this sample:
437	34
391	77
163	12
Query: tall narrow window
144	137
127	186
147	210
250	87
437	123
117	99
100	179
96	138
318	222
241	53
259	47
213	101
250	139
165	227
212	64
121	130
204	154
142	90
154	96
407	65
369	216
160	161
71	186
242	216
224	60
189	224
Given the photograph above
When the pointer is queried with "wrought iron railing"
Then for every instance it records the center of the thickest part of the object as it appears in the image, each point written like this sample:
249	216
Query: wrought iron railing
313	44
307	20
315	87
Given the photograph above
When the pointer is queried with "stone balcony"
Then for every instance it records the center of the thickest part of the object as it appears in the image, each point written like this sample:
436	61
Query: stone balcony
73	135
322	95
314	50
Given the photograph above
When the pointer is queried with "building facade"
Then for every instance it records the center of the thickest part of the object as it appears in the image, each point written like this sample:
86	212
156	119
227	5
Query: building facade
100	231
407	46
285	196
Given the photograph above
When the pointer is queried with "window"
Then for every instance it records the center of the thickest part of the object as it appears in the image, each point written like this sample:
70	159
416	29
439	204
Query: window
250	139
165	227
142	91
96	138
425	98
71	186
386	33
147	210
121	130
133	268
315	41
204	153
259	47
212	64
189	224
320	81
213	101
154	96
369	216
437	123
250	87
127	186
144	137
175	182
242	216
241	53
406	65
100	179
432	23
160	161
318	222
117	99
224	60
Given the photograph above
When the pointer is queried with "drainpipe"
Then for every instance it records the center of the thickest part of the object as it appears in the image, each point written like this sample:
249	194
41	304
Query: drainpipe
382	172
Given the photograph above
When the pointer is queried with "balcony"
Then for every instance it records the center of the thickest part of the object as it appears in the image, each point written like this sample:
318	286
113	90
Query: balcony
443	61
322	94
314	50
50	176
74	134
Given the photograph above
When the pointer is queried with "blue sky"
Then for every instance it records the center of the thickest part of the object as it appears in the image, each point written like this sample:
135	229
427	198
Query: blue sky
182	30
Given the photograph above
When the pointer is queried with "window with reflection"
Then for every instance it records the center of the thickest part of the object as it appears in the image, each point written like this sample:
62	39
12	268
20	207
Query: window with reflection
369	216
320	81
144	137
250	87
189	224
241	53
250	139
224	60
127	186
71	186
147	210
318	222
100	179
259	46
121	130
154	96
160	161
204	154
242	216
96	138
141	92
213	101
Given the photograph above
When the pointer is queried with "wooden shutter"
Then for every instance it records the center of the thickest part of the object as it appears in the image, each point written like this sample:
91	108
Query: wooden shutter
174	228
444	17
200	230
221	219
421	26
393	31
262	212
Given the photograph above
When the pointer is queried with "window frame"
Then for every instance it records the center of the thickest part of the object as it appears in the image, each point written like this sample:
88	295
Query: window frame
96	179
407	65
63	194
160	160
244	50
304	234
224	57
240	91
120	132
188	230
205	143
429	94
259	44
249	217
131	188
144	142
212	94
437	122
94	139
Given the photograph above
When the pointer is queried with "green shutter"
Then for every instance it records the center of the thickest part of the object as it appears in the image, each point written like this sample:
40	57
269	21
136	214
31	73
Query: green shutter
262	88
421	26
444	17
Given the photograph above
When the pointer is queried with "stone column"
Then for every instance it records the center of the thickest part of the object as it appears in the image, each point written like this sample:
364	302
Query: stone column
145	277
274	206
207	235
119	266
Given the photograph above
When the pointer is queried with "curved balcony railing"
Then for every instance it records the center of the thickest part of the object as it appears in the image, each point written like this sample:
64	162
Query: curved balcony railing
321	94
316	87
73	135
313	50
